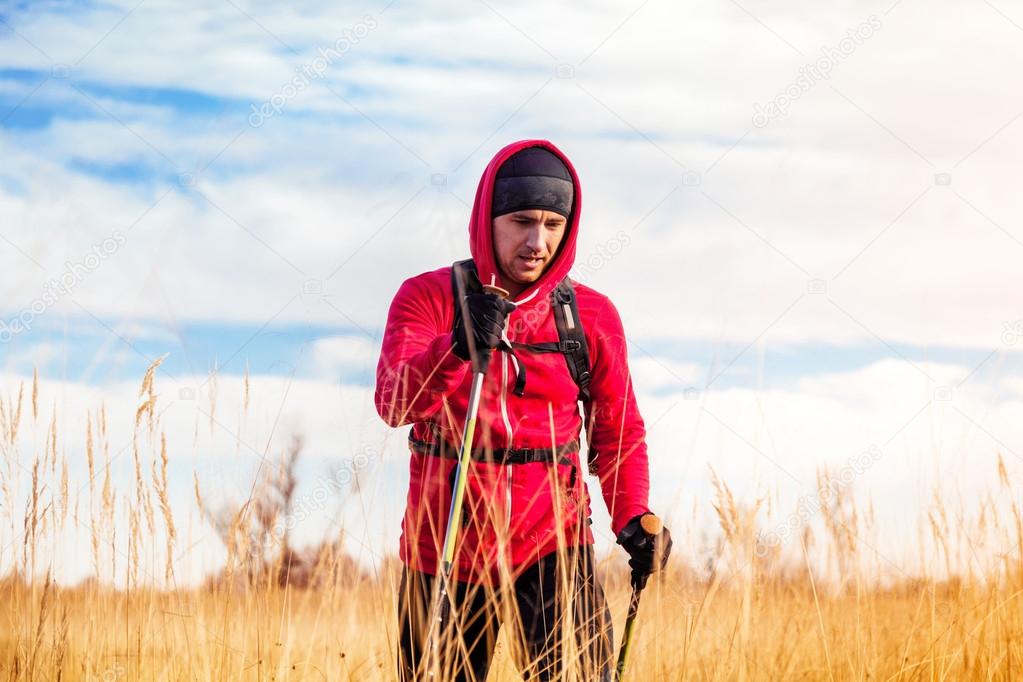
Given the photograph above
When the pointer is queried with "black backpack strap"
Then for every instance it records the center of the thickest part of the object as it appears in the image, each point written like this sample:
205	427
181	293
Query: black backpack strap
563	347
577	354
571	336
437	447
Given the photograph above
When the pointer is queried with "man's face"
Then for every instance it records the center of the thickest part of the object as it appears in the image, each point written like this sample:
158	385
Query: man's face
525	242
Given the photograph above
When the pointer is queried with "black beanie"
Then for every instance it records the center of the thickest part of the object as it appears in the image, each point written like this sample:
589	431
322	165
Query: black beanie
533	177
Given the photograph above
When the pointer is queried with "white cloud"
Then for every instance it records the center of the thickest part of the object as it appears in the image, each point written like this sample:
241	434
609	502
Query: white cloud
654	374
344	354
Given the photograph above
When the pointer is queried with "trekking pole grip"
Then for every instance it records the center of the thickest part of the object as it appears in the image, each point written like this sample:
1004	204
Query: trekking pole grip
482	361
651	523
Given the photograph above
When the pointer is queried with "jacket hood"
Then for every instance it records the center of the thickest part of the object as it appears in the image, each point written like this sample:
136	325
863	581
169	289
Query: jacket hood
481	236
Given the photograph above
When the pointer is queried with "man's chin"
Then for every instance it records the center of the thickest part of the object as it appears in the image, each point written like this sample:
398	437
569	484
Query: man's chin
522	278
527	277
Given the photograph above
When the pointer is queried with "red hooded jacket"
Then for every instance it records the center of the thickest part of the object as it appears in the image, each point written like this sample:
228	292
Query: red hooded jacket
515	513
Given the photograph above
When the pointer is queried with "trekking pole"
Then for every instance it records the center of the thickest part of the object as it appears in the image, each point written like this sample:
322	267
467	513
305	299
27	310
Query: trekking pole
652	526
443	605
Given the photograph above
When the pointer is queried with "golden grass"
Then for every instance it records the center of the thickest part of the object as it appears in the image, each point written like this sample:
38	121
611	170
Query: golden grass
750	617
345	630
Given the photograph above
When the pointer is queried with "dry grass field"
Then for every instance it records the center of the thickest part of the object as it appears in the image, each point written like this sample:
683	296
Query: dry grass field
278	614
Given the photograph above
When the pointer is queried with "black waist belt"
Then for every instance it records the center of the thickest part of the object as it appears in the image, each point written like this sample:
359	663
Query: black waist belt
499	455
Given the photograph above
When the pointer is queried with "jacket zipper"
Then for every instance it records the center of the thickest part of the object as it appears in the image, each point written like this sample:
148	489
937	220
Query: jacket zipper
508	430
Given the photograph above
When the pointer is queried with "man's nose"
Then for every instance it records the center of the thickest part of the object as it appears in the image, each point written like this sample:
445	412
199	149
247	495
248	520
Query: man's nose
534	238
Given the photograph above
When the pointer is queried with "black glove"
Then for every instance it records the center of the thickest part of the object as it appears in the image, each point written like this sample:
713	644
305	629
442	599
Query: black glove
487	314
644	549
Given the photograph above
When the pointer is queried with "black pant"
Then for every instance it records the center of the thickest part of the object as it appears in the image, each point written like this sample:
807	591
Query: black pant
539	630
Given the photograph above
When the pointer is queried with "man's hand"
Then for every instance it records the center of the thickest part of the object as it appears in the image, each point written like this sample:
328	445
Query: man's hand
487	315
647	552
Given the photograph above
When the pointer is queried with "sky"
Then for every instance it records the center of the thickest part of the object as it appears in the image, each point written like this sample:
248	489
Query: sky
803	214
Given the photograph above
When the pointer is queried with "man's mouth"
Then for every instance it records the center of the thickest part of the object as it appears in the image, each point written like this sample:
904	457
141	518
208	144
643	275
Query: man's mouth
531	262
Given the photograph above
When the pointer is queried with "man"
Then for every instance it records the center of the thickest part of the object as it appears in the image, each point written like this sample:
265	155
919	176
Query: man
524	554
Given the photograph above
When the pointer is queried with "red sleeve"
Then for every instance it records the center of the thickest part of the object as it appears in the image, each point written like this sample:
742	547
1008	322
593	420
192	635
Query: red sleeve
616	433
416	368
